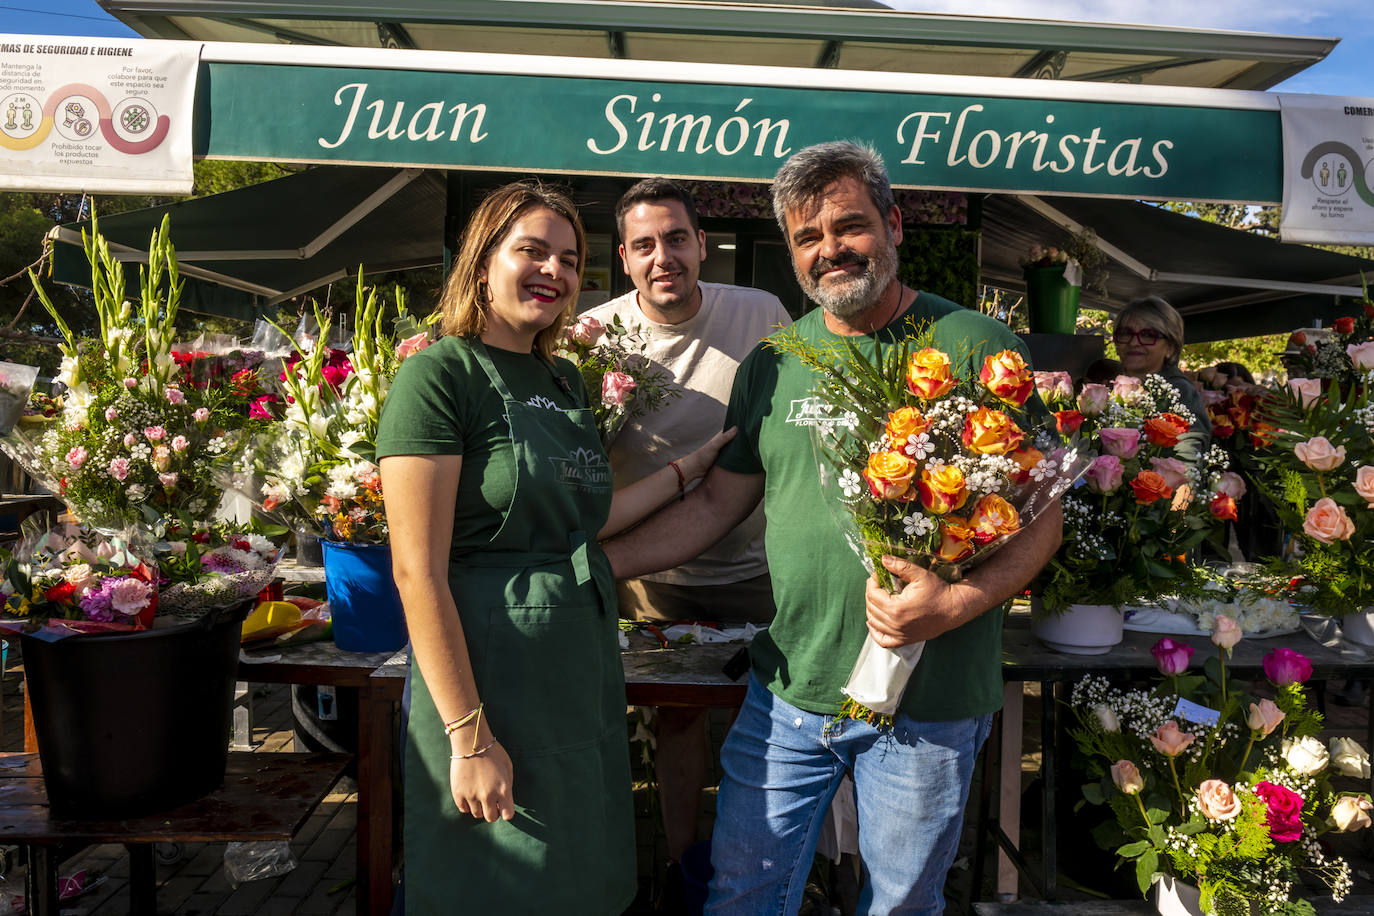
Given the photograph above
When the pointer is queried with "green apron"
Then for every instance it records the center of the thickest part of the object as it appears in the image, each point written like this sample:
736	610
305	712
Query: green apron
538	609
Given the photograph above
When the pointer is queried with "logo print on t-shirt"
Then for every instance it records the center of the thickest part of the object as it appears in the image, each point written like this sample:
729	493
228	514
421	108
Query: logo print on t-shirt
806	412
584	469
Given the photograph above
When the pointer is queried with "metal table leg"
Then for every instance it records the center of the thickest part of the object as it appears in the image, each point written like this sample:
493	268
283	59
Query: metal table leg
1048	763
40	880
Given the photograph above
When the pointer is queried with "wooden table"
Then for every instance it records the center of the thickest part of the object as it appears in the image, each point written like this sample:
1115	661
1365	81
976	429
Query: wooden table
681	675
264	797
380	679
1024	658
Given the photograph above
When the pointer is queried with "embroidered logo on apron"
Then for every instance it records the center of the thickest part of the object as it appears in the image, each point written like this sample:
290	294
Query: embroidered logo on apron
583	468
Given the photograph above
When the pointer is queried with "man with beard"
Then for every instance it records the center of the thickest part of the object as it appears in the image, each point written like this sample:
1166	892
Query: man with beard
788	750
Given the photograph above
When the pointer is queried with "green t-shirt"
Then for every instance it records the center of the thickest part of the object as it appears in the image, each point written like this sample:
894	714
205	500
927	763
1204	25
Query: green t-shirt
442	403
807	653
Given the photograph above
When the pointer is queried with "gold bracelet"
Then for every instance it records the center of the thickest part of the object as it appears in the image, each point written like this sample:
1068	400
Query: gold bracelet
474	753
451	727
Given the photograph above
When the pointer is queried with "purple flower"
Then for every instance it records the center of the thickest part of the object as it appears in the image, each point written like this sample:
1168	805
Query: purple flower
95	604
1287	666
1171	656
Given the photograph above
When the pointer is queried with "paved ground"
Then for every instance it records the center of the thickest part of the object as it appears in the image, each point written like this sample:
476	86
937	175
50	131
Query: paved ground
192	879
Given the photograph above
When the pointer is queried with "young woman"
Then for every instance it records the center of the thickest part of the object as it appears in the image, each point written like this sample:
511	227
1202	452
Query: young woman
517	783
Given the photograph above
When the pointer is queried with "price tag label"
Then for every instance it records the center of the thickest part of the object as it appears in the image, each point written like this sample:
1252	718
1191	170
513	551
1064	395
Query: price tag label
1194	712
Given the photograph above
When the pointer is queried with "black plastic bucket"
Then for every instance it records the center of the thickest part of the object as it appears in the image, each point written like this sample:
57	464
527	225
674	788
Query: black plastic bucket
130	724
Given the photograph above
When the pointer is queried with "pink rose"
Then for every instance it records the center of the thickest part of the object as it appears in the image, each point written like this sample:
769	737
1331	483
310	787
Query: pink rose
111	414
1127	777
616	388
1284	814
1092	400
1123	443
1319	455
131	383
119	468
201	414
1225	632
587	331
1364	484
1171	656
1231	484
1169	741
1306	389
168	480
1054	386
1174	472
1362	355
1126	385
174	396
1104	476
411	345
180	444
1327	522
76	457
1217	801
154	433
1286	666
1264	718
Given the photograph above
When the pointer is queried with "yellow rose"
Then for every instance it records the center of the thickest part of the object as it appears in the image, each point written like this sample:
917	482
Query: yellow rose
889	475
956	539
1008	377
903	423
992	518
991	432
928	374
942	490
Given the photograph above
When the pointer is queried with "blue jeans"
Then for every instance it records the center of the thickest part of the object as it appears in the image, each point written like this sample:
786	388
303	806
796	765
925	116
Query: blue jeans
782	766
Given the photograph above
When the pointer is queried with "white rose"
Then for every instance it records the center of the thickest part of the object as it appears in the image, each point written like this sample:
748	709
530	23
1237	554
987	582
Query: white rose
1349	758
79	575
1106	718
1307	756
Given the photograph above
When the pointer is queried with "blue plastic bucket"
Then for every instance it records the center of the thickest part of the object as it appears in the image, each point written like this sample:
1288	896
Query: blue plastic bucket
363	602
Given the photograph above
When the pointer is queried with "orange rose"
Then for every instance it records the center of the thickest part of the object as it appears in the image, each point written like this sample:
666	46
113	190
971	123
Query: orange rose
1068	421
991	432
1259	435
956	539
1222	426
1025	458
903	423
992	518
1008	377
1224	508
1165	429
942	490
889	475
1149	487
928	374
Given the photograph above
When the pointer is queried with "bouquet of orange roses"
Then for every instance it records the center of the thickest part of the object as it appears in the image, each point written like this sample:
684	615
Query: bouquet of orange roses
926	464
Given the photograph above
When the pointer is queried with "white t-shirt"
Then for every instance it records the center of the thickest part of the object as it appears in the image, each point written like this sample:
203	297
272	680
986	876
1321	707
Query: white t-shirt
701	354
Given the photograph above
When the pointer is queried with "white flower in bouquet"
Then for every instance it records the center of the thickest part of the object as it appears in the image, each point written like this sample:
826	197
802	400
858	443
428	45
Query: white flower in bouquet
1349	758
1307	755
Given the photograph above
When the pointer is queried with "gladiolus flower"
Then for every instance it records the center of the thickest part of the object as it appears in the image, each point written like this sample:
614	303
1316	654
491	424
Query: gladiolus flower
417	342
1225	632
1169	741
1287	666
1171	656
1127	777
1264	718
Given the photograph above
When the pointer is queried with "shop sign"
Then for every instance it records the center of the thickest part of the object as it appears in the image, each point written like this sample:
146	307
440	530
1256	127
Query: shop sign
102	114
740	132
1328	170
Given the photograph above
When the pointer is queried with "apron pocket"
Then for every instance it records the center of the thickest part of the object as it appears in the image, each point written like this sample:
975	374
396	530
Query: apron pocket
542	677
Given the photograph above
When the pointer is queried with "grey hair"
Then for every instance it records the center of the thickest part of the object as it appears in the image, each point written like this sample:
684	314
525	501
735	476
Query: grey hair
805	176
1154	312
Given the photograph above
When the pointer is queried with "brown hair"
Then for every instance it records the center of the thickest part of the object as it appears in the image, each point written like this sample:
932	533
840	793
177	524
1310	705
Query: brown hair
1153	312
462	307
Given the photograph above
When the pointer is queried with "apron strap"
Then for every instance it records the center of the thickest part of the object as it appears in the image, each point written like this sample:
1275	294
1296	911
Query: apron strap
479	349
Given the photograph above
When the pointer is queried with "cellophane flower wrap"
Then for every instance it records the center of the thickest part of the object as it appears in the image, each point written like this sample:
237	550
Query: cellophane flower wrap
929	458
1152	493
1318	473
1214	786
313	465
134	446
622	383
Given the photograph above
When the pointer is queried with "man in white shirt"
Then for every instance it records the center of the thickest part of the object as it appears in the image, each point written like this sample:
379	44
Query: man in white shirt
698	333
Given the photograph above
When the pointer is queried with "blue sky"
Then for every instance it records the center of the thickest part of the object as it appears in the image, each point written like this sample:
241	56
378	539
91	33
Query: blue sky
1346	71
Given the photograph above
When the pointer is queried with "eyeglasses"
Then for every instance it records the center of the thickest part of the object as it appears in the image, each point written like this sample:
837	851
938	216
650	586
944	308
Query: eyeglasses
1148	337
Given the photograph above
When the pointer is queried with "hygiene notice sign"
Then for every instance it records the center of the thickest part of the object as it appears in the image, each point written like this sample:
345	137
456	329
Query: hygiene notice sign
1328	170
105	115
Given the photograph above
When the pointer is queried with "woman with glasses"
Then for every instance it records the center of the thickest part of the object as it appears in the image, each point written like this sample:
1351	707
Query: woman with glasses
1149	337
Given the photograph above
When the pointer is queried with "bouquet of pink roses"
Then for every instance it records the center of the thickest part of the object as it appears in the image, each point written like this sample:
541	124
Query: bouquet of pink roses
621	382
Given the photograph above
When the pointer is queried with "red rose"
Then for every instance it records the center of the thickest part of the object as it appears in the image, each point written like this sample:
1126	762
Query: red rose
60	594
1222	427
1224	508
1283	816
1369	310
1345	325
1068	421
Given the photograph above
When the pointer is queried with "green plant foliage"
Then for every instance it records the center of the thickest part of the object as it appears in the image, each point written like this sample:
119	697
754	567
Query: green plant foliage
941	261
